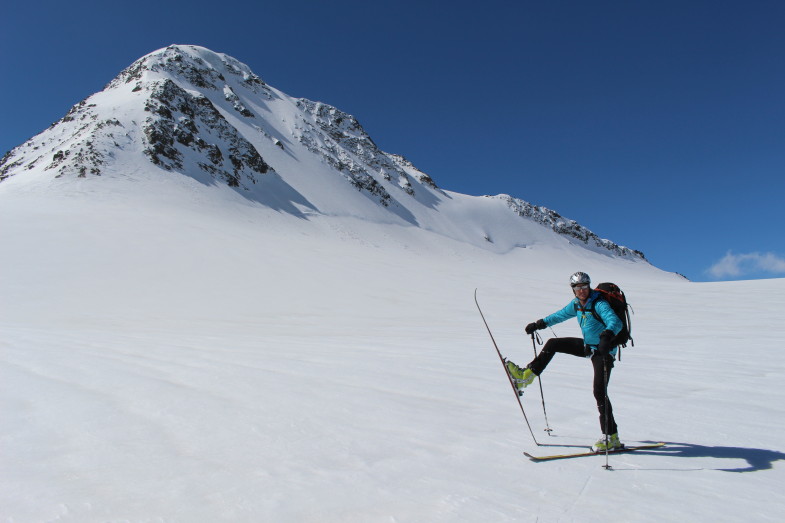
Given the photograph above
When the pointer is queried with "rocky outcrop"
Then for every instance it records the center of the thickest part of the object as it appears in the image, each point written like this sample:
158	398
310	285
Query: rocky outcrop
564	226
343	143
183	126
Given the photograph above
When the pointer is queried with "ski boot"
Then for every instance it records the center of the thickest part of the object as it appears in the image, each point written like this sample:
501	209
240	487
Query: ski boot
612	444
521	377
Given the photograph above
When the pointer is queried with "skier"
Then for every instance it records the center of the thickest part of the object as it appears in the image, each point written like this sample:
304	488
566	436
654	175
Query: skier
595	344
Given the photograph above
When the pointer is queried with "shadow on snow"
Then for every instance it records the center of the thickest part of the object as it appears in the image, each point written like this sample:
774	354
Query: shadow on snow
757	459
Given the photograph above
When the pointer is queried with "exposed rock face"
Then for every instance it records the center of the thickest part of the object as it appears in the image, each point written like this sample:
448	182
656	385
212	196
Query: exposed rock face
343	143
182	129
564	226
183	124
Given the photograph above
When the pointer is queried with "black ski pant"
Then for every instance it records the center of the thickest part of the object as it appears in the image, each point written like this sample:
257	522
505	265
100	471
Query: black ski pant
602	367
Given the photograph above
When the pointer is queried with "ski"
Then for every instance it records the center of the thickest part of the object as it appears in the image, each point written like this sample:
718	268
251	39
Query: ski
592	453
517	392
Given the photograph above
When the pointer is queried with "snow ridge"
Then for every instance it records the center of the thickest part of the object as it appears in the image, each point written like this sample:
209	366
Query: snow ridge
564	226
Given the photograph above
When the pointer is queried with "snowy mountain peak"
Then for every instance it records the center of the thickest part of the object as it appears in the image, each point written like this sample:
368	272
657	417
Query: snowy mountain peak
205	115
192	65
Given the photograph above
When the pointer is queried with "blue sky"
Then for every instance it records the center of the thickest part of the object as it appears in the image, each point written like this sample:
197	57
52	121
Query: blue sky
659	125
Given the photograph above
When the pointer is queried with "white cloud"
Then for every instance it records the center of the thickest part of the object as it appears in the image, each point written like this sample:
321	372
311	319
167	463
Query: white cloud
735	265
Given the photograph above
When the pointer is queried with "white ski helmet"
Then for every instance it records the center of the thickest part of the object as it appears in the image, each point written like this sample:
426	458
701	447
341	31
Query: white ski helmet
579	278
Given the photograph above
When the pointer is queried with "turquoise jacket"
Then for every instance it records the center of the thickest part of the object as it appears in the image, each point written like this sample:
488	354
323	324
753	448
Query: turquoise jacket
590	327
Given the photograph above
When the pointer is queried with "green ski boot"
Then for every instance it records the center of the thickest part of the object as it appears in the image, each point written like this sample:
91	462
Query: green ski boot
521	377
613	443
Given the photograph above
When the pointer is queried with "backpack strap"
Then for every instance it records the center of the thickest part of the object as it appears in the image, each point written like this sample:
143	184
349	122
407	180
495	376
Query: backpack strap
595	313
591	308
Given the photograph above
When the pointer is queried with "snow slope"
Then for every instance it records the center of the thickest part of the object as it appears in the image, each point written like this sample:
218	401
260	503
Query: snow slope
175	351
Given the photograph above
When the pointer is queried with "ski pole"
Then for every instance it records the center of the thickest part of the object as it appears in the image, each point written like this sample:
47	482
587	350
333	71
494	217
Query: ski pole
548	428
605	371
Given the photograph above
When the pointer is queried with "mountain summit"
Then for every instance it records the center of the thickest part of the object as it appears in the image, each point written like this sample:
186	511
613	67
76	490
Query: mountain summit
185	110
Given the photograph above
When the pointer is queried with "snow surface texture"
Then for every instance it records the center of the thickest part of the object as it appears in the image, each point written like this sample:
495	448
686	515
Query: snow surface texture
173	350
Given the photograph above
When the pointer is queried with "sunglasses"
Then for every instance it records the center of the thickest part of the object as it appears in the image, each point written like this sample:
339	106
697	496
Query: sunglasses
580	287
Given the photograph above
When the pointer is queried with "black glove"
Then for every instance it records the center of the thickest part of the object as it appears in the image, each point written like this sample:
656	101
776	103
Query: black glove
537	325
604	347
